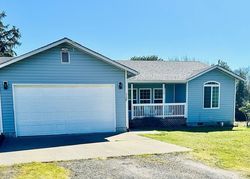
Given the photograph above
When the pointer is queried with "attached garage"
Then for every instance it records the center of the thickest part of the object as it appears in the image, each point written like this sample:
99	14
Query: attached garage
62	88
64	109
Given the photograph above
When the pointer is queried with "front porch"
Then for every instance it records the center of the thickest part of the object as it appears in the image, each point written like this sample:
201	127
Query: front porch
157	100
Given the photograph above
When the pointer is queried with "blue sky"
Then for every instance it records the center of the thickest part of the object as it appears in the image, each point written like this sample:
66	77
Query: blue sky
207	30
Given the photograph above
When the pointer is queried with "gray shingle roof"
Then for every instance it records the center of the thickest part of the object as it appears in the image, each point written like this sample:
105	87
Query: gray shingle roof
164	70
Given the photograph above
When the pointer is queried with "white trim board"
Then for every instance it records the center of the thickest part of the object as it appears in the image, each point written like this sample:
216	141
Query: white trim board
126	99
74	44
235	90
186	107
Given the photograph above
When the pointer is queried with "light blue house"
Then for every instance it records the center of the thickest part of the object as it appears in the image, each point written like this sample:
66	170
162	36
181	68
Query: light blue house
66	88
195	92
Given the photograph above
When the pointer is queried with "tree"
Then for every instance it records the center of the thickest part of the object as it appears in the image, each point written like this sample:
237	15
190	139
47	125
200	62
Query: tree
146	58
223	64
245	109
8	38
242	93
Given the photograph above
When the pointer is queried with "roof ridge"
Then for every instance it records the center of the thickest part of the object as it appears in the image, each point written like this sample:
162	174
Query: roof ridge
162	61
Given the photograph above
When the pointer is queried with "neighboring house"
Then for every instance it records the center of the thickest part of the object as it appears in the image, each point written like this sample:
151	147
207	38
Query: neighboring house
66	88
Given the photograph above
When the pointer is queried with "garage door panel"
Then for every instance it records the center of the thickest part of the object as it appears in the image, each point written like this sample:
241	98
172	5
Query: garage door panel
52	109
45	130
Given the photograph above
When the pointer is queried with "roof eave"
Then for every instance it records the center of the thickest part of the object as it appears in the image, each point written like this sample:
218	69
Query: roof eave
217	67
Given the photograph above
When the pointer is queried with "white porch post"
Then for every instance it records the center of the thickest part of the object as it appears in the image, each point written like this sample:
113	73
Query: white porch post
132	101
163	100
186	105
126	97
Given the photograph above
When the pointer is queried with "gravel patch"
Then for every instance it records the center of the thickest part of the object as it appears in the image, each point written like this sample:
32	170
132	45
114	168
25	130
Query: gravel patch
145	166
8	172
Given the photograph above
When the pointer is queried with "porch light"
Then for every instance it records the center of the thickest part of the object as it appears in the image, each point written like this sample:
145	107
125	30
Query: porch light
5	85
120	85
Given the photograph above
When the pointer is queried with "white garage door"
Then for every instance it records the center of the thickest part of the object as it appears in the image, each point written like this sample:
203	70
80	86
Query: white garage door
64	109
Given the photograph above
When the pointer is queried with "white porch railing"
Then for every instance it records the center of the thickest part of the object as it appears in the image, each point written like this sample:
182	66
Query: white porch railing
159	110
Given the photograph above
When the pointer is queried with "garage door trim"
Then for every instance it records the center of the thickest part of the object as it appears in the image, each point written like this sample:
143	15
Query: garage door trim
59	85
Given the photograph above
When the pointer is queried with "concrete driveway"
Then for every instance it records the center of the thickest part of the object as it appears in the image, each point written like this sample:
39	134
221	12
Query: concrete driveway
75	147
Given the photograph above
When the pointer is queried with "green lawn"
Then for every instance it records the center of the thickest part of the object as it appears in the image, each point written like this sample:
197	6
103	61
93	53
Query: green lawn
228	149
35	171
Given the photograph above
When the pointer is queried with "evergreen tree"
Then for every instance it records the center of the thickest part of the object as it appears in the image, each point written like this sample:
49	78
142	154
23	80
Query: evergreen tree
242	93
146	58
223	64
8	38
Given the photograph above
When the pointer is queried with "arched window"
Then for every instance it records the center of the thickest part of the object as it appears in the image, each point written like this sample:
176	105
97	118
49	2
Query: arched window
211	95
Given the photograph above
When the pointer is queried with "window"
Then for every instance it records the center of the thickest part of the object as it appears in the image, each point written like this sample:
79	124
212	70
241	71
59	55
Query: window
145	95
134	98
65	58
211	95
158	95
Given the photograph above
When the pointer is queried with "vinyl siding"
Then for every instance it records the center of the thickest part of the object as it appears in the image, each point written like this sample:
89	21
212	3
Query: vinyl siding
46	67
180	93
225	113
170	93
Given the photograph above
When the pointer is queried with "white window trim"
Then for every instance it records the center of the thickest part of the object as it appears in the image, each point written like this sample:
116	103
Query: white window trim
154	94
133	95
211	85
68	55
145	99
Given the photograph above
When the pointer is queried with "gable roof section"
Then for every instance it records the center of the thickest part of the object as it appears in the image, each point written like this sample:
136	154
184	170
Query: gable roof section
171	71
5	62
228	72
164	71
